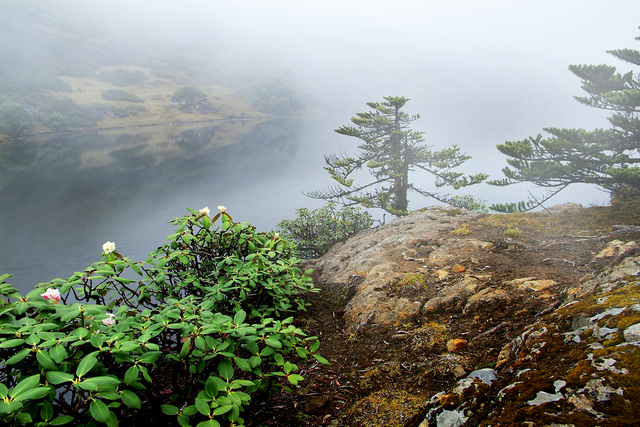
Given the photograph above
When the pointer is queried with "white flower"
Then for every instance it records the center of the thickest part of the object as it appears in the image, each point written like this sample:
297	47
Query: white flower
222	209
108	247
52	294
205	211
276	235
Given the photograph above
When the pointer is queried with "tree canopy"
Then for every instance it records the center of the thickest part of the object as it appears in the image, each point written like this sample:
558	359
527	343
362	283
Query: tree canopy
390	151
608	158
15	119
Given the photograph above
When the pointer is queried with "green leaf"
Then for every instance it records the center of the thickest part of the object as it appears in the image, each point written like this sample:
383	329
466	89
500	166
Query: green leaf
109	395
113	419
131	375
12	343
243	364
225	369
150	356
24	418
169	409
208	423
295	378
203	406
18	356
96	383
271	342
61	420
32	394
145	373
222	409
86	364
97	340
321	359
45	360
46	410
130	399
4	391
8	407
211	387
239	317
57	377
302	352
58	353
25	384
99	411
72	313
189	410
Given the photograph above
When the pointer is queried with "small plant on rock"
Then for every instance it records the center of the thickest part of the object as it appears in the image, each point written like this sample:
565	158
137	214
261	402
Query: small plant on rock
314	232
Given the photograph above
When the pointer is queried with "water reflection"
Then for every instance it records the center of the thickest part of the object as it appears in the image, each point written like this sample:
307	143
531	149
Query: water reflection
62	197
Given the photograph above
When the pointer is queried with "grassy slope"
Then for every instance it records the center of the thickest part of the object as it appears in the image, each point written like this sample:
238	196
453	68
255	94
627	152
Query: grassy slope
157	92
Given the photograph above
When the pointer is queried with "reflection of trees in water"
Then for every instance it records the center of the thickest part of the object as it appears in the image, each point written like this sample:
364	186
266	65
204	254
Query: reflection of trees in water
52	169
195	139
131	158
255	154
16	155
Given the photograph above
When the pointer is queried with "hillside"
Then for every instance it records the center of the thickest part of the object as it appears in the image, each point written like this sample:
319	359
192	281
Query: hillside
156	93
451	318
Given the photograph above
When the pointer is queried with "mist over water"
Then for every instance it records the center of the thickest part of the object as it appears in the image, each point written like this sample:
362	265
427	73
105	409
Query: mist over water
478	72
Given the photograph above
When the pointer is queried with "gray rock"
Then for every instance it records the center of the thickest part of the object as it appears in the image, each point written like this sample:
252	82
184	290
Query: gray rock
486	375
451	419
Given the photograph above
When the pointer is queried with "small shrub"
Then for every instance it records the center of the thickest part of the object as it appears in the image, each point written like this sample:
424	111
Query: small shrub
120	95
314	232
468	202
187	94
194	331
513	232
121	112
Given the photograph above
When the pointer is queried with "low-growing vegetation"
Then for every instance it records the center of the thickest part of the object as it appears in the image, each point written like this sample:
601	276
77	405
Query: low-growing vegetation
194	330
315	231
120	95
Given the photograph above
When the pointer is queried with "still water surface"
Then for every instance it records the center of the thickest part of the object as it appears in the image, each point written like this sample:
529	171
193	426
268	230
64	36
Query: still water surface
61	198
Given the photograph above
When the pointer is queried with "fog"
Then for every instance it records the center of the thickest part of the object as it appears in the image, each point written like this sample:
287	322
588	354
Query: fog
478	72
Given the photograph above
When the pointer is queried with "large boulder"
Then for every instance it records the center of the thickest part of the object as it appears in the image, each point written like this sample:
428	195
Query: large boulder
372	258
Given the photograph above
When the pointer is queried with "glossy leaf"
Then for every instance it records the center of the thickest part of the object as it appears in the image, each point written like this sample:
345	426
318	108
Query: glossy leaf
99	411
57	377
130	399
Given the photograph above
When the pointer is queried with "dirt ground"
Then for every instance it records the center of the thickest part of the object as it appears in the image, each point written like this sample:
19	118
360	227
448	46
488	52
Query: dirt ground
385	375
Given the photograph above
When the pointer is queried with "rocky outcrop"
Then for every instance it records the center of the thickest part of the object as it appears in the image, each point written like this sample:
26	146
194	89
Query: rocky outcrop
484	328
372	258
577	366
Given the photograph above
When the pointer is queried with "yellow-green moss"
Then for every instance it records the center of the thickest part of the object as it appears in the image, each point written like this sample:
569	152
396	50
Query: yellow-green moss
387	408
463	230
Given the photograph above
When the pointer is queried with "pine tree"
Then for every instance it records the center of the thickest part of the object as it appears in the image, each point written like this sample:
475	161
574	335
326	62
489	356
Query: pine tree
390	150
607	158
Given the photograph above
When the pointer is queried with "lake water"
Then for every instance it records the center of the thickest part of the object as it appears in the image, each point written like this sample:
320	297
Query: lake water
62	197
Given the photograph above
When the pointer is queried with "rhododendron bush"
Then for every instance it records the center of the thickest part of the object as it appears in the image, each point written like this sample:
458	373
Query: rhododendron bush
187	335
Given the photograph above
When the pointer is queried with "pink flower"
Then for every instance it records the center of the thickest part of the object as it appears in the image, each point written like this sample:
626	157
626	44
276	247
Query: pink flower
109	321
52	294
